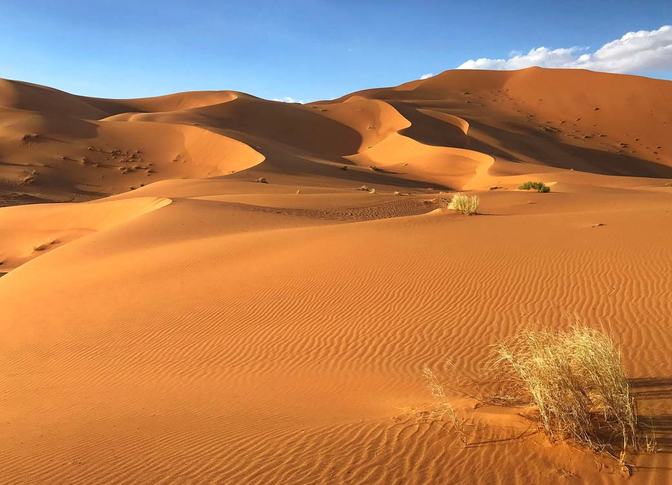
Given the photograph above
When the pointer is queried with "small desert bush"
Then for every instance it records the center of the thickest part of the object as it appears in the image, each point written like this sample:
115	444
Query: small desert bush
576	380
464	204
538	186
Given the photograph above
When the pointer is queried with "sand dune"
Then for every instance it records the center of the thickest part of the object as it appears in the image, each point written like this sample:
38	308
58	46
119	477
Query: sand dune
206	327
450	167
567	119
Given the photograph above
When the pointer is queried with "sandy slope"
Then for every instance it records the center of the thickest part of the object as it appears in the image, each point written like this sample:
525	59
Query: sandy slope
219	330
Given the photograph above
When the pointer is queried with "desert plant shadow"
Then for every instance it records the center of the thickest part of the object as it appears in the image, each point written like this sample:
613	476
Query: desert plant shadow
660	425
651	387
501	441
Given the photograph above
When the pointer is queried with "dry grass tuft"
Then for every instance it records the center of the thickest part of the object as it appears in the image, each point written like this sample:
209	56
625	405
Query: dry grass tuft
650	444
464	204
444	407
576	380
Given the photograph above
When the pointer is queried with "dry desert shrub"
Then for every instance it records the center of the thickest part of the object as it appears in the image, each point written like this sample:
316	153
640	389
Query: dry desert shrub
576	380
575	384
464	204
538	186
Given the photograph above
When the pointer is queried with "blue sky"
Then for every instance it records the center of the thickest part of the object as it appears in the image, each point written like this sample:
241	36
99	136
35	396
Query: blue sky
306	50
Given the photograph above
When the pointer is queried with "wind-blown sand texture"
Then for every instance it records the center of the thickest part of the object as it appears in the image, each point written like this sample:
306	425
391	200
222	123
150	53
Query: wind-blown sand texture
206	327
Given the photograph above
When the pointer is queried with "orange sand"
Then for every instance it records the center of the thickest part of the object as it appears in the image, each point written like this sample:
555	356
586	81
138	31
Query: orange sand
206	328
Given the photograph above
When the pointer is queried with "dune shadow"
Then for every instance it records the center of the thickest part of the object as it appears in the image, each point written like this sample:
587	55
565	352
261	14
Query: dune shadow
8	199
547	148
518	139
429	130
62	128
432	131
288	164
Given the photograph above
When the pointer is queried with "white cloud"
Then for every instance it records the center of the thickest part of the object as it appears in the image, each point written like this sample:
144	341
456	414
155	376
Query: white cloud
287	99
646	50
427	76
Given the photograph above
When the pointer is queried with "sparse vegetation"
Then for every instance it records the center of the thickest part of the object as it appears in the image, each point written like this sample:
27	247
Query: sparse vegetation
444	407
576	381
462	203
538	186
573	381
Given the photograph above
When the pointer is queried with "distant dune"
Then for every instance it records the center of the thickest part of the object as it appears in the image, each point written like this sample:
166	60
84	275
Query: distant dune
531	120
210	287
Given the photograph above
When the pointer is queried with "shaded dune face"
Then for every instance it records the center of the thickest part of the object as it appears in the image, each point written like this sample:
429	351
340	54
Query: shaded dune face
234	290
